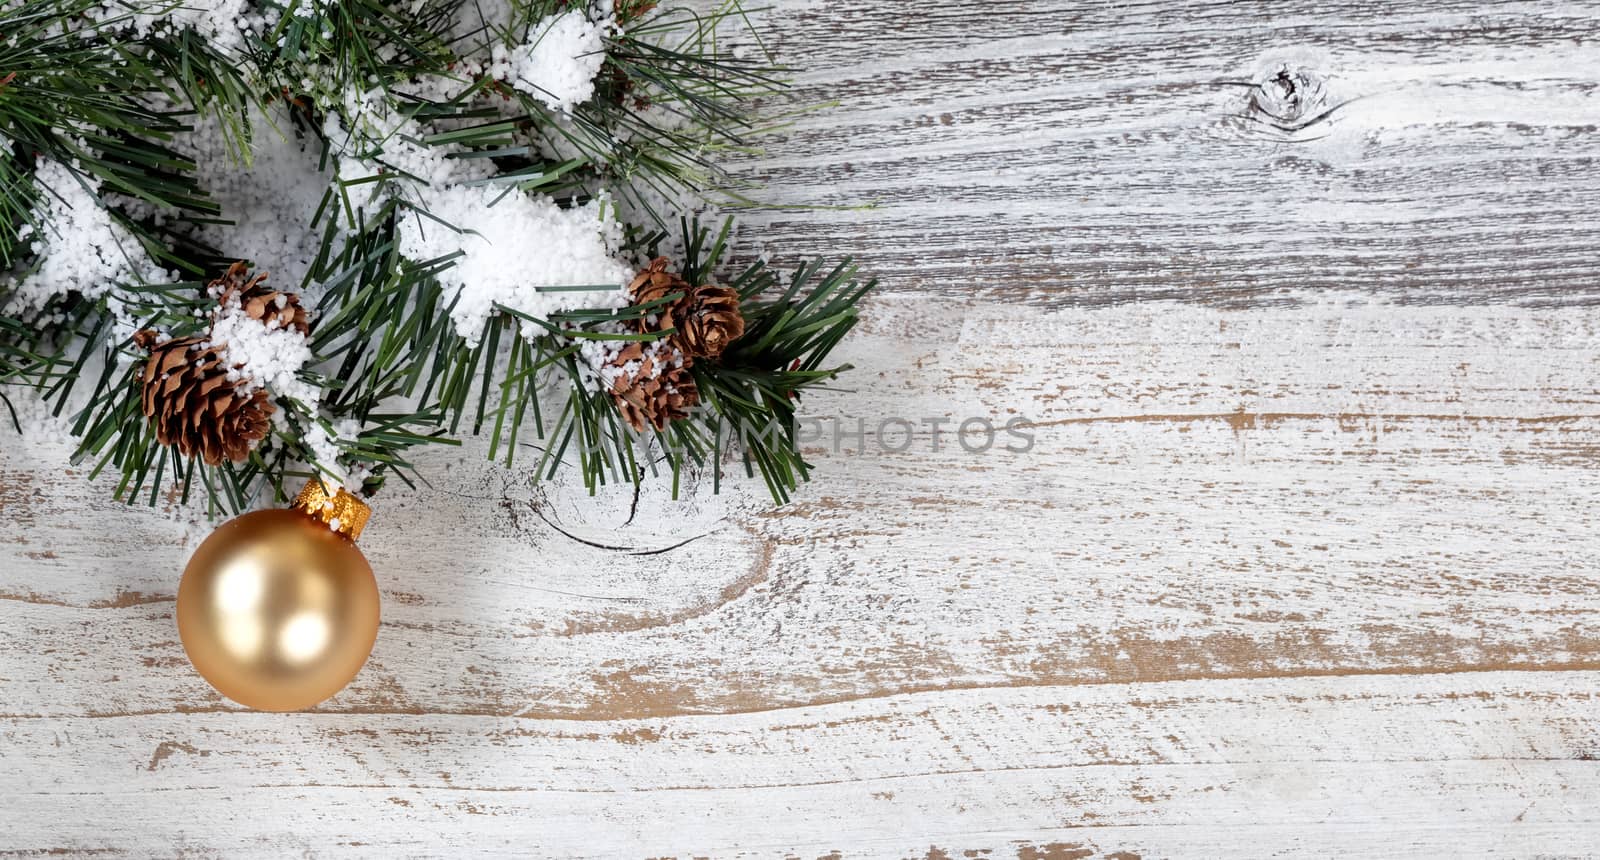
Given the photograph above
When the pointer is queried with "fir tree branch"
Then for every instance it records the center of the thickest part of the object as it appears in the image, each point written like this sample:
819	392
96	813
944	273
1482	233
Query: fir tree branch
386	356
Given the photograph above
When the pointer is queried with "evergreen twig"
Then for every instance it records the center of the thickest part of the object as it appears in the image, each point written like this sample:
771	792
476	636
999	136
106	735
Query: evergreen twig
112	103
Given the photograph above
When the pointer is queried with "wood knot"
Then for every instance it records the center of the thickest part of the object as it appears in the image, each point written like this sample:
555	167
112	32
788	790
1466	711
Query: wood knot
1288	98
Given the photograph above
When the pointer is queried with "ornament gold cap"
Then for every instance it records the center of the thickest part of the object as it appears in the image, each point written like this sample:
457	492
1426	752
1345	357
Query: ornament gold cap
341	512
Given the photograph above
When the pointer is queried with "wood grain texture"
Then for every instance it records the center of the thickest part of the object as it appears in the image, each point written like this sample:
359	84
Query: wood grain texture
1459	766
1301	561
1231	151
1276	579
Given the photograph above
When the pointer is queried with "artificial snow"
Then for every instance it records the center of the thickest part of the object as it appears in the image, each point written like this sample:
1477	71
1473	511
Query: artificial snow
514	246
370	131
79	246
260	355
269	202
221	22
325	451
270	356
558	63
37	420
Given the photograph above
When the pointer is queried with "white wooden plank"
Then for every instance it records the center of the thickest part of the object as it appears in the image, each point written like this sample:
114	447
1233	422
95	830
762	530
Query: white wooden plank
1307	570
1475	765
1226	502
1212	493
1068	152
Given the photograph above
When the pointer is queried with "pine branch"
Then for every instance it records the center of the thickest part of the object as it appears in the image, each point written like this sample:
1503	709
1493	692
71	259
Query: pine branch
386	355
89	101
354	45
195	73
748	396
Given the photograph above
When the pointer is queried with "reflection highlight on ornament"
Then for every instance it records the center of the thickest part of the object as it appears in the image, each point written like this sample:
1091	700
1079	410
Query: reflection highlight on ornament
303	637
238	589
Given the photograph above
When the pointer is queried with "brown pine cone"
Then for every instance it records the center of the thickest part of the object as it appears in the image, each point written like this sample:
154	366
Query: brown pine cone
709	321
274	309
653	283
655	392
705	319
186	394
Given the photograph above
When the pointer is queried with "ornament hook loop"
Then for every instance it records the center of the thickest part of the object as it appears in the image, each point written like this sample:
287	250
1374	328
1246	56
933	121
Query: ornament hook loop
341	511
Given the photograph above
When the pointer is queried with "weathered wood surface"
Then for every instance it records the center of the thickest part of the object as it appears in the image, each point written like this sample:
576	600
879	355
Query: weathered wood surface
1092	152
1305	566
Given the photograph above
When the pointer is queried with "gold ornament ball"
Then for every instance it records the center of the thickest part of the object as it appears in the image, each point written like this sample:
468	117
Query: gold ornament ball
277	611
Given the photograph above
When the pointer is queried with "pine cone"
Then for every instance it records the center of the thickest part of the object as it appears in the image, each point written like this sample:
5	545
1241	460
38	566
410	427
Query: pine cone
655	283
655	392
195	408
710	320
274	309
706	318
